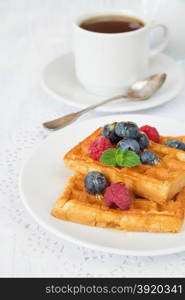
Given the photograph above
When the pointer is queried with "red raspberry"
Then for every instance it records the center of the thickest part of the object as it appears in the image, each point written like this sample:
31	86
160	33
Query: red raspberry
151	132
97	147
118	194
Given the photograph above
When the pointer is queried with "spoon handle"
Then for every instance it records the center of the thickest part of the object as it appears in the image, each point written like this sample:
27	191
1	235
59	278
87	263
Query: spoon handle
70	118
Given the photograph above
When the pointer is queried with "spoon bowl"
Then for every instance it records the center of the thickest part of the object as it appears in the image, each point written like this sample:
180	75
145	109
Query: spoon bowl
144	89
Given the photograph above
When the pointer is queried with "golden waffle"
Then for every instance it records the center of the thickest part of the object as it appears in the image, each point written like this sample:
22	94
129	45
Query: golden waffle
76	205
158	183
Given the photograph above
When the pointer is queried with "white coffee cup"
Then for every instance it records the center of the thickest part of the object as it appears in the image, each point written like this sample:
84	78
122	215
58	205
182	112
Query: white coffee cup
107	63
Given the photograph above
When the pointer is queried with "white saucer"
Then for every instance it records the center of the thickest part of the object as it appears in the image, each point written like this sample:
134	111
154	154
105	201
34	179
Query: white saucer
60	80
44	176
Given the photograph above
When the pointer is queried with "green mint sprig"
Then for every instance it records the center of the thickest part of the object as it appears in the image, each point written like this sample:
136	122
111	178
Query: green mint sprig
121	158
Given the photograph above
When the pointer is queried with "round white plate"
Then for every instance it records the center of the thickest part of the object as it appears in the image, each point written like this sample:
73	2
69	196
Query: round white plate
60	80
44	176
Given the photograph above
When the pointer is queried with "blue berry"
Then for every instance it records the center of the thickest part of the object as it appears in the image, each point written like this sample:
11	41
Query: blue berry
109	132
129	144
176	144
95	182
120	129
143	140
149	158
127	129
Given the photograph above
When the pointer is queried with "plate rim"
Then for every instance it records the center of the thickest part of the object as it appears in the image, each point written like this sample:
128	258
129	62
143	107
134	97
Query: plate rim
77	241
66	100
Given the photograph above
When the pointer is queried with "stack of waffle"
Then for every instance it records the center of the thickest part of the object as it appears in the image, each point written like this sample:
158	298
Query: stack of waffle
158	204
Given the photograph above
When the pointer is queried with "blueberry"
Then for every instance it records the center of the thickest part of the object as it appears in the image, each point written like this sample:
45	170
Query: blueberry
95	182
176	144
149	158
109	132
129	144
120	129
127	129
143	140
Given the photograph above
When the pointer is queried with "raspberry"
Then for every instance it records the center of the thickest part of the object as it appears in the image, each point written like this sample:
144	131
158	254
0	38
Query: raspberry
117	194
97	147
151	132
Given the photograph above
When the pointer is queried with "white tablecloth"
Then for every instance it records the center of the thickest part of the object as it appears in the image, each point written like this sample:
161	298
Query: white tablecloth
32	33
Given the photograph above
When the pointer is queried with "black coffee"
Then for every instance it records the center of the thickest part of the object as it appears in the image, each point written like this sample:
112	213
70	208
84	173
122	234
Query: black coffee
112	24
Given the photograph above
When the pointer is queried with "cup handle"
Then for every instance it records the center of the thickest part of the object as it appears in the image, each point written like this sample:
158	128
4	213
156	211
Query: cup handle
163	43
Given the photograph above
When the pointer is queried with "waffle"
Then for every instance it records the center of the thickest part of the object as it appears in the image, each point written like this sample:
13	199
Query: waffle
158	183
76	205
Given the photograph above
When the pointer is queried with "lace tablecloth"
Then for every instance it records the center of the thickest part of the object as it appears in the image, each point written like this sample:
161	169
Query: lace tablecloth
31	34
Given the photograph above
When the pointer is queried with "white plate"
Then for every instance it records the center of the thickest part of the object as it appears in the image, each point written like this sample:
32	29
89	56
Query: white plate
59	79
44	176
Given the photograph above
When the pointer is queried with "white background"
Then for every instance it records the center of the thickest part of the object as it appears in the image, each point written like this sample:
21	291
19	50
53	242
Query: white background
32	33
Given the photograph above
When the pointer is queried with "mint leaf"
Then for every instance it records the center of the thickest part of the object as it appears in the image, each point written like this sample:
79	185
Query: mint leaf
132	159
125	158
122	158
109	157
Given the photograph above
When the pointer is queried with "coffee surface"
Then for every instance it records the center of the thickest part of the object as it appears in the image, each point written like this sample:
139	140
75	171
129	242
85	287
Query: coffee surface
112	24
